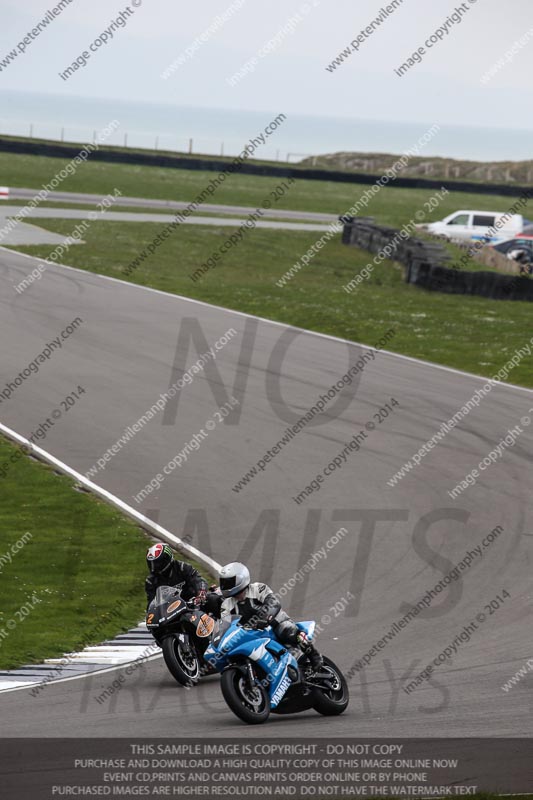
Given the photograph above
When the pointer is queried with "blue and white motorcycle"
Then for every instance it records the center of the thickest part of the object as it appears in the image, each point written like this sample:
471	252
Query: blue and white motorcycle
260	675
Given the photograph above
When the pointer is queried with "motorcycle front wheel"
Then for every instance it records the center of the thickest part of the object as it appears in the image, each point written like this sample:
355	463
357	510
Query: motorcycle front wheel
333	699
181	661
250	703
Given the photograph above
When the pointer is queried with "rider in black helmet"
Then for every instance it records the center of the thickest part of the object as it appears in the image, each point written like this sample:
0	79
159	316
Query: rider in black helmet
166	571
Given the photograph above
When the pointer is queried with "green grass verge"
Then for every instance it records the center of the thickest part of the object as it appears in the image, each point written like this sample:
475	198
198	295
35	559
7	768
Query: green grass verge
80	557
391	206
470	333
455	252
70	563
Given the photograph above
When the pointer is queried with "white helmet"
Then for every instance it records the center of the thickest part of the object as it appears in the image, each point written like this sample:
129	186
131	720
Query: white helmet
234	578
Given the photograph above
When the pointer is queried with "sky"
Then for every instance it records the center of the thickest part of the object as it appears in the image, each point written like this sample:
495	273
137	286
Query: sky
444	88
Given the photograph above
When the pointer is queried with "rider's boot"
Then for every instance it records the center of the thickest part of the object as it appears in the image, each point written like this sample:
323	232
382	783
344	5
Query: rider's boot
310	651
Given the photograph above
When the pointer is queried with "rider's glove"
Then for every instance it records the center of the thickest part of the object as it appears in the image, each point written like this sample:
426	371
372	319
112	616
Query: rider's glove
201	597
303	639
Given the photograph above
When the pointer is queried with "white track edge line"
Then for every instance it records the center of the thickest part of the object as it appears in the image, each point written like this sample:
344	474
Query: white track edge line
284	325
136	516
114	668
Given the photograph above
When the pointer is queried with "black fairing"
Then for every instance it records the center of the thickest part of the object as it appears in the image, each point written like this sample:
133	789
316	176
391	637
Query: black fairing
182	619
294	701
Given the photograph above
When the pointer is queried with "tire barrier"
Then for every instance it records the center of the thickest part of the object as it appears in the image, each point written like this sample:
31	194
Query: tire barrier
426	263
484	284
363	232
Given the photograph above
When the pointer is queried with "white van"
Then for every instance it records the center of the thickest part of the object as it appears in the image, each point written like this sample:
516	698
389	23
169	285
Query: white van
489	226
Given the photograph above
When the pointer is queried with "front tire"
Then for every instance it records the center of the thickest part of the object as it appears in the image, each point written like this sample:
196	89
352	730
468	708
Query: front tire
181	661
331	702
251	704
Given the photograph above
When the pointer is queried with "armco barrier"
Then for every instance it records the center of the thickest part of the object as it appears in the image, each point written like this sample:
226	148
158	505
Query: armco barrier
211	566
116	155
425	263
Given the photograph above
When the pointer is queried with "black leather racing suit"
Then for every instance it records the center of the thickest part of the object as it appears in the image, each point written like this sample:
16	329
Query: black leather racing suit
185	578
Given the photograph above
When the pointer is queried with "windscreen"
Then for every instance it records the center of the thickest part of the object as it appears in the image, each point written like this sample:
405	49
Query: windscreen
165	594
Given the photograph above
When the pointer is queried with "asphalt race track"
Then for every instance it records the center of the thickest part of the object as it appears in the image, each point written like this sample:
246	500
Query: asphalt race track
125	216
399	543
174	205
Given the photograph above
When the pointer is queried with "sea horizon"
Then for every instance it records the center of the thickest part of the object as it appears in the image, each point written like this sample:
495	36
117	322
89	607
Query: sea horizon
177	128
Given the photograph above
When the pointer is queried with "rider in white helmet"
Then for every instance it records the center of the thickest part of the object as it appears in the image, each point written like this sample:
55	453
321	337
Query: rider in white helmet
257	600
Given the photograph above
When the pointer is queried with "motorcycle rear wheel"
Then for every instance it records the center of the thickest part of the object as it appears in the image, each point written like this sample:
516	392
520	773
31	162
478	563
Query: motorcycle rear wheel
182	662
250	704
330	702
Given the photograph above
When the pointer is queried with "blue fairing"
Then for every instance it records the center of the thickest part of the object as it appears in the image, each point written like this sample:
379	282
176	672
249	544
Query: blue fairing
233	642
307	627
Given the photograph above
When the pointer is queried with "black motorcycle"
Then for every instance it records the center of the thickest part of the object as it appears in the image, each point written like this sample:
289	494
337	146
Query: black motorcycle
183	631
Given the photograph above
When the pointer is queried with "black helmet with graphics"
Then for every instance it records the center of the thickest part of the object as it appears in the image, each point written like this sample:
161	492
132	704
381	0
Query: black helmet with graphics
159	559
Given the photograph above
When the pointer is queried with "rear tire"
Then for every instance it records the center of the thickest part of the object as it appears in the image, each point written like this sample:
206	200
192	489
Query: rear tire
331	702
250	705
182	662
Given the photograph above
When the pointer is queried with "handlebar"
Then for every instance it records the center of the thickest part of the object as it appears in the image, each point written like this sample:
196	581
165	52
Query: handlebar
258	624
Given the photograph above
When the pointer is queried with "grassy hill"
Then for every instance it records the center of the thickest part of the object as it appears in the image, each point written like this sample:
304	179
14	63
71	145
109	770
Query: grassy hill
511	172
